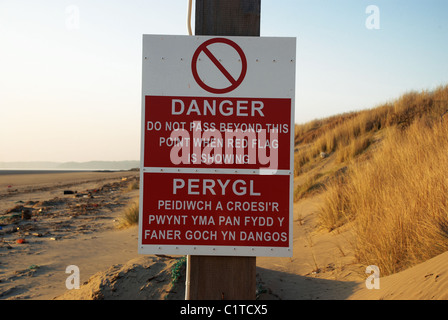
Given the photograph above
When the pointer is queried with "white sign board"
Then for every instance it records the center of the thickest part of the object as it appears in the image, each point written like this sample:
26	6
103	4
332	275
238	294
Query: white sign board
217	145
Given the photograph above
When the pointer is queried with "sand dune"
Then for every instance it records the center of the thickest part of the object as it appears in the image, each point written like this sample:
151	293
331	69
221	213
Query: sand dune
142	278
426	281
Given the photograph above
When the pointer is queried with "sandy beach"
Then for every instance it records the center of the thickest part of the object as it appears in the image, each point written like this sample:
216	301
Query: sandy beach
52	221
72	221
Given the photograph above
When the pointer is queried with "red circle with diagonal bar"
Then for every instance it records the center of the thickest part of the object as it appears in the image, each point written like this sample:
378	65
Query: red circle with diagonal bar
234	82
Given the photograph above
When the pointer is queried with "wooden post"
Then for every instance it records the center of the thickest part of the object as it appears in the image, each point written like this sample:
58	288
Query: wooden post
218	277
228	18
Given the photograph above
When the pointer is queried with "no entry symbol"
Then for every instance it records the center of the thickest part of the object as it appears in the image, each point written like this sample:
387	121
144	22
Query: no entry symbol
234	83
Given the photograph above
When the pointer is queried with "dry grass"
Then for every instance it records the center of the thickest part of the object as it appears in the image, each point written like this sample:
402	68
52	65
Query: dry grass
397	200
130	216
134	185
354	149
349	135
335	210
312	184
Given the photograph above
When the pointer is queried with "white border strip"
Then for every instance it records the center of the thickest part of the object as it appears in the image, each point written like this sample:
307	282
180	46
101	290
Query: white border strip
216	250
219	171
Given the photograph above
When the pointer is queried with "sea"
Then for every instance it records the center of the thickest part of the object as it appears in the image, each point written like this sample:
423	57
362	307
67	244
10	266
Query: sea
4	172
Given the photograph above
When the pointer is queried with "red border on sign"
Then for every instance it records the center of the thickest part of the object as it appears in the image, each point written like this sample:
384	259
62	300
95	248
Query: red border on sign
234	82
159	210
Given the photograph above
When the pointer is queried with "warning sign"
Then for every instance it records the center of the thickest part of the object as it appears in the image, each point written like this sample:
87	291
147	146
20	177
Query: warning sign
217	145
216	210
197	132
203	48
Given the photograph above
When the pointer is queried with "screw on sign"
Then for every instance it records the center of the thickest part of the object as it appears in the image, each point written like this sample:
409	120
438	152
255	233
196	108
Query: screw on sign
234	83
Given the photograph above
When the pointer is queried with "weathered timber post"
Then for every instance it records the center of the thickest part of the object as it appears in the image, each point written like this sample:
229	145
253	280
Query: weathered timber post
224	277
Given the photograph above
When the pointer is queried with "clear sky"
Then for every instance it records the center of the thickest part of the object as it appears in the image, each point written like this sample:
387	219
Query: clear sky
70	70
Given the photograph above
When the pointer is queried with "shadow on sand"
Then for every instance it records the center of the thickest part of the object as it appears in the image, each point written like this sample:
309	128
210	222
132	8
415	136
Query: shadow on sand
278	285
